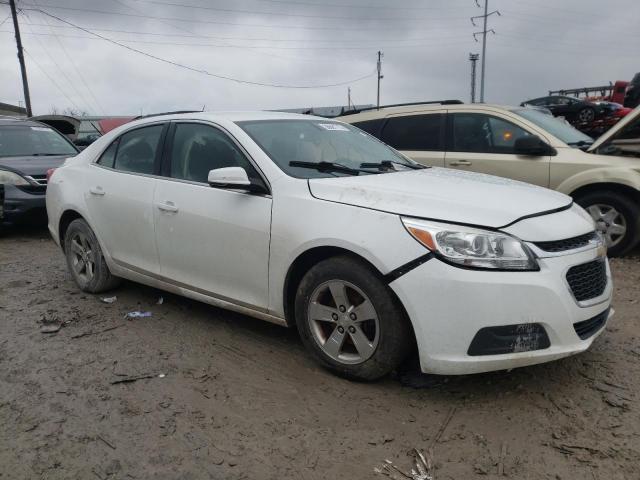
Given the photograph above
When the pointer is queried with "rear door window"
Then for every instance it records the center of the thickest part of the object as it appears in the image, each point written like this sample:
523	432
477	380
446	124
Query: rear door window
372	127
415	132
138	149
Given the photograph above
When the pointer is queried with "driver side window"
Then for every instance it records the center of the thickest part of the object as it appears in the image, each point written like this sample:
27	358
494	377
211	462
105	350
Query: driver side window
199	148
480	133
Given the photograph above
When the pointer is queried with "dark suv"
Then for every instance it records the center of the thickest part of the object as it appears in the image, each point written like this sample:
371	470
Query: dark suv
28	150
632	94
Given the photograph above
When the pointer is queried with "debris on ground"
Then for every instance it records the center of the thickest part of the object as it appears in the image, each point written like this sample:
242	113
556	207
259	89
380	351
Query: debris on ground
423	468
132	379
109	299
95	332
137	314
160	301
50	328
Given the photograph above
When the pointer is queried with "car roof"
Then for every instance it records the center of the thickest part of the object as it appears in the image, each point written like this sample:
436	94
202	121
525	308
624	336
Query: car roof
232	116
16	121
384	111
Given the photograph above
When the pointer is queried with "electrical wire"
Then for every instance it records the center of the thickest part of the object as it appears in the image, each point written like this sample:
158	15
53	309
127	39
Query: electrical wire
55	84
218	22
75	67
62	72
202	71
287	14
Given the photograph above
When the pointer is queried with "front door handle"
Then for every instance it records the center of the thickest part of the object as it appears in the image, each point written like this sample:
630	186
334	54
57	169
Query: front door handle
167	207
96	191
460	163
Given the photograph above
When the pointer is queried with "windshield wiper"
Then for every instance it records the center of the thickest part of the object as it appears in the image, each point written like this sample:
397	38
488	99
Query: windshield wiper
388	164
329	167
47	154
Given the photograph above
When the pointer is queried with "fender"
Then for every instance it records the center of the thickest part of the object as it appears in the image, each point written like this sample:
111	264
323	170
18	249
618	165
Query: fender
623	176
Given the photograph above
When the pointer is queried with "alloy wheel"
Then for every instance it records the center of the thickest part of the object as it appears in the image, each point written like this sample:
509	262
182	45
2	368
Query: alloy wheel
343	322
82	257
609	222
586	115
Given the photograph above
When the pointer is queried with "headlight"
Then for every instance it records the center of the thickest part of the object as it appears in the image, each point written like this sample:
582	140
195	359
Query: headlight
472	247
10	178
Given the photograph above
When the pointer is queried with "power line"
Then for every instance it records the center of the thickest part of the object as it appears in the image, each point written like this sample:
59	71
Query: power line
484	32
217	22
202	71
63	73
51	79
342	5
287	14
255	47
279	40
75	67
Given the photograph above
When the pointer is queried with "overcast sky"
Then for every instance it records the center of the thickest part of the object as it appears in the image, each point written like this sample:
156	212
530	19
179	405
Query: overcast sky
538	45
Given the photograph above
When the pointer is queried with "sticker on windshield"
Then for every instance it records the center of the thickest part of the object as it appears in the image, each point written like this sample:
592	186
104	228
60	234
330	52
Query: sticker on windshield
334	127
40	129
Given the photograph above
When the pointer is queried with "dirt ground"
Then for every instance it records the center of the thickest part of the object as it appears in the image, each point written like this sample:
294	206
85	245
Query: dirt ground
194	392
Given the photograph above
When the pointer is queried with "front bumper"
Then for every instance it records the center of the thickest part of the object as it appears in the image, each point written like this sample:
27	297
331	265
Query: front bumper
449	305
23	207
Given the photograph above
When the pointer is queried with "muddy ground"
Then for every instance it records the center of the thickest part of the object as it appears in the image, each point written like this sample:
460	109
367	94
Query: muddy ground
194	392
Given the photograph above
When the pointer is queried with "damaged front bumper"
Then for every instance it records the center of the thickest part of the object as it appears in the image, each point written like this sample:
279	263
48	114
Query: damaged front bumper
471	321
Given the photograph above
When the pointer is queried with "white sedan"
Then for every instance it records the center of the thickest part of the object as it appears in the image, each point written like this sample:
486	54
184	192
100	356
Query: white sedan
310	222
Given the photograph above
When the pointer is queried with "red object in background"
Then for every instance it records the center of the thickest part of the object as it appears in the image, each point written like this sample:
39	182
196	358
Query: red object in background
109	124
50	173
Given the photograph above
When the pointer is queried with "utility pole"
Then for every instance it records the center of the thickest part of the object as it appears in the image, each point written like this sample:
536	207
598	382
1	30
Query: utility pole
380	76
349	98
484	32
473	57
23	68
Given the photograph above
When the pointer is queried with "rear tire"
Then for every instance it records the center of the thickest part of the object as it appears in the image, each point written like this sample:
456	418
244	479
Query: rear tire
85	260
586	115
611	211
364	333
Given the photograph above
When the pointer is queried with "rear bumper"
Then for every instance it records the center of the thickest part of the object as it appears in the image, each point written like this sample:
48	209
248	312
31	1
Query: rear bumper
448	306
23	207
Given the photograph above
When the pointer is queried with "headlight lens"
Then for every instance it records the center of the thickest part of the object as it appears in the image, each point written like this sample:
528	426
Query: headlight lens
10	178
471	247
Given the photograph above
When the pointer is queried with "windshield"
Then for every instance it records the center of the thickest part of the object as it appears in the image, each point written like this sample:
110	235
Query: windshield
23	140
324	143
559	129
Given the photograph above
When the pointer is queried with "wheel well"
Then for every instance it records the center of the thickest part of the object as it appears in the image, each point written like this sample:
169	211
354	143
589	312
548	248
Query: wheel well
619	188
65	220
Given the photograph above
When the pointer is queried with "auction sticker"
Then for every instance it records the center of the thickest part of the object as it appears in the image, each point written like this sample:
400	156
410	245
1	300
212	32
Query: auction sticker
334	127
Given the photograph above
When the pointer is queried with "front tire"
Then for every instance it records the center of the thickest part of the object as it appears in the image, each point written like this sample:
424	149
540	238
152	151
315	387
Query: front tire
85	260
350	321
617	217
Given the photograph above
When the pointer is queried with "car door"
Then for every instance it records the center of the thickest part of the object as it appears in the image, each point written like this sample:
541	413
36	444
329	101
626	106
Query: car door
212	240
483	142
420	136
119	196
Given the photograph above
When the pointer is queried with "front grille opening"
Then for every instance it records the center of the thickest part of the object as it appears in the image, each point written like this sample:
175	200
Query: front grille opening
588	280
588	328
523	337
568	243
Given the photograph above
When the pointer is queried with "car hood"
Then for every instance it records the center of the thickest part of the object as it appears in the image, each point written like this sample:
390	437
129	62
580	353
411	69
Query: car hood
32	165
616	129
442	194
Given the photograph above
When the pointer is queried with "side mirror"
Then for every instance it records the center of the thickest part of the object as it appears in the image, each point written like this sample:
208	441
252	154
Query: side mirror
229	177
534	146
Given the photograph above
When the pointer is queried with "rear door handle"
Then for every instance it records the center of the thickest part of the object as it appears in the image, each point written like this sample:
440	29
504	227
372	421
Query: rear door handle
167	207
460	163
96	191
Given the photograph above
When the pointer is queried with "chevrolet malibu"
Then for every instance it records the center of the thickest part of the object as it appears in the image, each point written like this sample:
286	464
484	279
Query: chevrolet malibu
313	223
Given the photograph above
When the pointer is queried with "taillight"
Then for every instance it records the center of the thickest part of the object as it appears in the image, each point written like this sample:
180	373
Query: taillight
50	173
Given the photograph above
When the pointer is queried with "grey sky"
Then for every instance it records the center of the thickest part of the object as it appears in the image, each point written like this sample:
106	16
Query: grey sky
539	45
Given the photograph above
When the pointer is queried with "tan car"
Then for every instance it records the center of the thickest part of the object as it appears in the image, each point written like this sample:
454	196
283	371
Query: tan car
525	144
